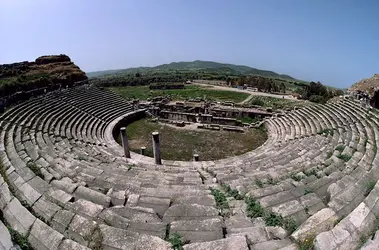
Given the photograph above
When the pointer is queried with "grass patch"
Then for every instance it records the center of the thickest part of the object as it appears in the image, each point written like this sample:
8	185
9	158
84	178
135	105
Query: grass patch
189	92
369	187
344	157
176	241
181	144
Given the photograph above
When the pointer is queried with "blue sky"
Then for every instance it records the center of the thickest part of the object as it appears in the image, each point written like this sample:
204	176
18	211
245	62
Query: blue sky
335	42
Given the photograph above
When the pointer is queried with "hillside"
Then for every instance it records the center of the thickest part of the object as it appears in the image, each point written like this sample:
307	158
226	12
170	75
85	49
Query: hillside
206	66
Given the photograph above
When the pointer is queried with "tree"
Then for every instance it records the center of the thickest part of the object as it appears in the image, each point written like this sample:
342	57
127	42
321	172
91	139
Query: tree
282	87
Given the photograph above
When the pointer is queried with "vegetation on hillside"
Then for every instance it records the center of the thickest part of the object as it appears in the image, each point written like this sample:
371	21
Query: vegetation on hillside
196	67
228	74
317	92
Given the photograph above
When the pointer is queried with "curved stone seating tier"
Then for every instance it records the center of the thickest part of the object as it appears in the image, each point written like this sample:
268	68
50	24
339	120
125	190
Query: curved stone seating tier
68	186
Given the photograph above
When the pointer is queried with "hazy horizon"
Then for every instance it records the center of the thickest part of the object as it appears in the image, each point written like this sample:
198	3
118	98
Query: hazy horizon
334	42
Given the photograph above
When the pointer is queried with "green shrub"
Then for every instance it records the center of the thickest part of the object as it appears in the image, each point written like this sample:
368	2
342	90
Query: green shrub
340	148
273	219
220	198
176	241
253	208
344	157
317	99
306	244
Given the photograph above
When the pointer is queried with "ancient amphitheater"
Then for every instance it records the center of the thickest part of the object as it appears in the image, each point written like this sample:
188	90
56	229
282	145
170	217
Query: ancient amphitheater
66	184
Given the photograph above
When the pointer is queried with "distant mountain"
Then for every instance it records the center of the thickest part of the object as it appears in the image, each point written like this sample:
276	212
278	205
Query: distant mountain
212	67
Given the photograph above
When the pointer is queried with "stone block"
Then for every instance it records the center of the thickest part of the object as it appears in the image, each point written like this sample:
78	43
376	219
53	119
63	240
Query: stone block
233	242
44	237
18	217
198	230
189	212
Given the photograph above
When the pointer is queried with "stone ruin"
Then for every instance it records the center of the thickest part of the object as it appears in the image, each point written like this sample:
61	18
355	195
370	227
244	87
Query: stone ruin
208	115
66	184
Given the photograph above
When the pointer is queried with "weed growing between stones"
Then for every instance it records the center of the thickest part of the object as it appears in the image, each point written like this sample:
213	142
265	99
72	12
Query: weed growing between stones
310	172
326	132
340	148
259	183
369	187
254	210
130	166
96	239
35	168
19	239
220	198
308	190
329	154
232	192
339	220
296	177
306	244
82	158
176	241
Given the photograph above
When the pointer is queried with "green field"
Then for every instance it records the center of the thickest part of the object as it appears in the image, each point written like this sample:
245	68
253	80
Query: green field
190	91
181	144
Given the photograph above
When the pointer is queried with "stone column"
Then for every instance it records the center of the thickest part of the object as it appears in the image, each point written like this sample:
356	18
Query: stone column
157	152
195	157
125	143
143	149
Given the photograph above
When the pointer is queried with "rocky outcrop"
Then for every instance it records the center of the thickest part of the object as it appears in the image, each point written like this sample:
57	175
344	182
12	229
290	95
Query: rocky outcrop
367	89
19	81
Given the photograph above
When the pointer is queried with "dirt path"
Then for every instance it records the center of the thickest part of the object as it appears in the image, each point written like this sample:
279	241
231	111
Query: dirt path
248	92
